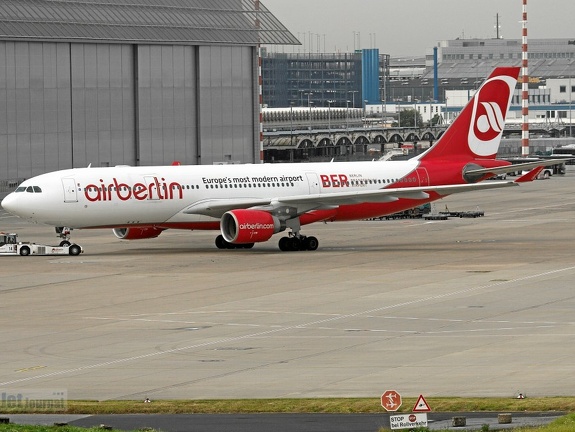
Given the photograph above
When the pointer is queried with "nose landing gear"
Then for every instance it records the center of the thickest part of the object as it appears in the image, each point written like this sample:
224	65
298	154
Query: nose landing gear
64	234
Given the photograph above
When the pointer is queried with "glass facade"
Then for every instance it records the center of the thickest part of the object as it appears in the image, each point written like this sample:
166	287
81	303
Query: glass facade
319	79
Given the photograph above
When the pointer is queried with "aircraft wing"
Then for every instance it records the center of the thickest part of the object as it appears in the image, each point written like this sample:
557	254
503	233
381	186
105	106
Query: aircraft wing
515	167
387	195
217	207
303	203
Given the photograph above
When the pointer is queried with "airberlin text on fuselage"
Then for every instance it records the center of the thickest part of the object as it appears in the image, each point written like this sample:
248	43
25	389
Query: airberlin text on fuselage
156	189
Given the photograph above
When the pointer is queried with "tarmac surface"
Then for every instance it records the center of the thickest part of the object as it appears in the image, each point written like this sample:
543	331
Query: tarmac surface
463	307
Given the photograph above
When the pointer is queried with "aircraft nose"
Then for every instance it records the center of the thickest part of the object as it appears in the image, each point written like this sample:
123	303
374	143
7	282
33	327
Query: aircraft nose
8	203
16	205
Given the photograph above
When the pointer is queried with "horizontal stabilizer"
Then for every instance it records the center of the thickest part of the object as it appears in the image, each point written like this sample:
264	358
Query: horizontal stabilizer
530	176
514	167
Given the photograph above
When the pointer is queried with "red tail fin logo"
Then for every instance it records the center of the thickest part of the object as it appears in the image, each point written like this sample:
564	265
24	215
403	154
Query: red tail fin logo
476	132
488	118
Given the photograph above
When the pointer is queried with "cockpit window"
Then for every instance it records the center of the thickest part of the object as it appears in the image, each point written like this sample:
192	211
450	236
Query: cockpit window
29	189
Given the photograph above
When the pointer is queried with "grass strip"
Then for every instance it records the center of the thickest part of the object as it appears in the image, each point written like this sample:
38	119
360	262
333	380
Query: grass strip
315	405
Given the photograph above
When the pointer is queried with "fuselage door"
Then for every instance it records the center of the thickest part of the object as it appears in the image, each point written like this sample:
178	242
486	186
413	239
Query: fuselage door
153	188
70	190
313	182
423	176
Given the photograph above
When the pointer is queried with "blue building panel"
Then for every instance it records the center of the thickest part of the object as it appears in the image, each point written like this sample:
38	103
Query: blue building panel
370	76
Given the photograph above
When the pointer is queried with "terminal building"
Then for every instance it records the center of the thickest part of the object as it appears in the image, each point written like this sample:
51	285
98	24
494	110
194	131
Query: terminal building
462	64
304	79
144	82
344	80
410	84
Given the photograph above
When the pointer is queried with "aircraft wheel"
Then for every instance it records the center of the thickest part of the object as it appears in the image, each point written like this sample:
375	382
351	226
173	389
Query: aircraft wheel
65	243
75	250
220	242
294	244
311	243
283	244
24	251
246	245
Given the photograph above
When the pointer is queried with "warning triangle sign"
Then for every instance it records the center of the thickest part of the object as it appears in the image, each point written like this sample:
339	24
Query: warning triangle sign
421	405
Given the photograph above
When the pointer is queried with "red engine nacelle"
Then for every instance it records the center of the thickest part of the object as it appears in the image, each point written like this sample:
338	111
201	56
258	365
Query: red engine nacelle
249	226
136	233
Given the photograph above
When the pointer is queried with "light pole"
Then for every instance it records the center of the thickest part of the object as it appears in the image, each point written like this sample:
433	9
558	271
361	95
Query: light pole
309	105
570	102
347	116
329	102
291	123
353	92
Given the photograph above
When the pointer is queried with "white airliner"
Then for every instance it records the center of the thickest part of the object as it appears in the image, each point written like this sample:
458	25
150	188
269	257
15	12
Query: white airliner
250	203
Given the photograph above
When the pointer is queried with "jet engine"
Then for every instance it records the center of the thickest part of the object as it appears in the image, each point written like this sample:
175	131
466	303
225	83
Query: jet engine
249	226
136	233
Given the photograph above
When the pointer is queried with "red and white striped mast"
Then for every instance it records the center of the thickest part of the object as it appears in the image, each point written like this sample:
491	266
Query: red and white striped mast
525	88
260	83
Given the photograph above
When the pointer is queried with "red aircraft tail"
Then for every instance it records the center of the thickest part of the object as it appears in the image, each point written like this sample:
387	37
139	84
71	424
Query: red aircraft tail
476	132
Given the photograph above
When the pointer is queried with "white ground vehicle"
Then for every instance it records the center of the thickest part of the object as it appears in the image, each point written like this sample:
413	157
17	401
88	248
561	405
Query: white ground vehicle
9	245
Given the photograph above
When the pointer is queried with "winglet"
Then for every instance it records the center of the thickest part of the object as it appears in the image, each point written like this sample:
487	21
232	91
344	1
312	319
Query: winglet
530	175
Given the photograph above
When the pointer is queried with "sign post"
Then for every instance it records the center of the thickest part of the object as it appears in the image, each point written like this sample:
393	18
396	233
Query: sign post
391	400
421	405
408	421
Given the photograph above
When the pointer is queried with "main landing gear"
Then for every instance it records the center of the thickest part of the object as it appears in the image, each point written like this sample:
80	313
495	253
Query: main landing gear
298	243
295	241
64	234
291	243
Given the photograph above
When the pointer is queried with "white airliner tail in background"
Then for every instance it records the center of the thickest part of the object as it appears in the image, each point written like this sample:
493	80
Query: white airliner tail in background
248	204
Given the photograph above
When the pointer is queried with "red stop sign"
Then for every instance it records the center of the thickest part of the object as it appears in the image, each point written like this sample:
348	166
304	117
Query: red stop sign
391	400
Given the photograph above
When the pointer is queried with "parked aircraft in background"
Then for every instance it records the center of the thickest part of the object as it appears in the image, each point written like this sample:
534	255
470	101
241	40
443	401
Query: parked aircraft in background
248	204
